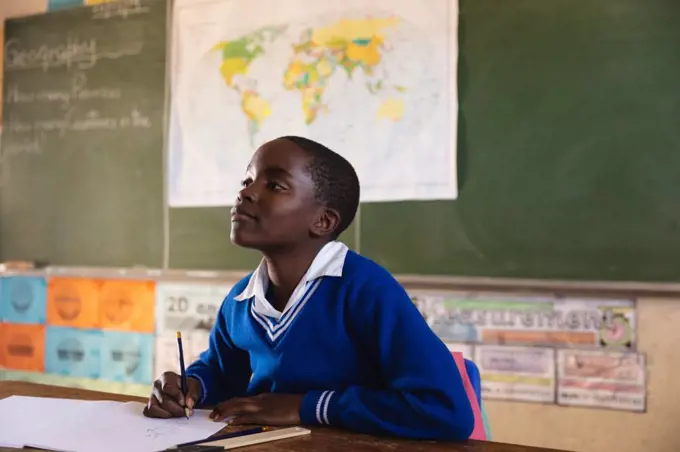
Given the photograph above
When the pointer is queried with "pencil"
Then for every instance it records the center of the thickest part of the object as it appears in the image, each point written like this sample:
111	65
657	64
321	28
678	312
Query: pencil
183	372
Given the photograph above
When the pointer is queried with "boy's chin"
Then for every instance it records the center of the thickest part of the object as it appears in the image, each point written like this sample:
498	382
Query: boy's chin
245	240
239	240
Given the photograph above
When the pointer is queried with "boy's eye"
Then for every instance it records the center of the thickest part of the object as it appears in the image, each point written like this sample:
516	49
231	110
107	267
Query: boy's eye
276	186
246	182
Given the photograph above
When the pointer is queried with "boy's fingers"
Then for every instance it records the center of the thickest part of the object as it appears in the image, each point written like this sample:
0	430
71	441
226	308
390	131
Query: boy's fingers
157	392
235	407
195	392
158	412
173	407
165	399
167	402
172	387
154	409
245	419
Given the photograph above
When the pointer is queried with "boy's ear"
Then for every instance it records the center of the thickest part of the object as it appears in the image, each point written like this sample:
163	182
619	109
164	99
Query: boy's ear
326	222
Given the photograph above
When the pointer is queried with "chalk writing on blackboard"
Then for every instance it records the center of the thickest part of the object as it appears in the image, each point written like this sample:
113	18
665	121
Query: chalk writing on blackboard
120	8
30	145
77	91
93	119
37	130
74	52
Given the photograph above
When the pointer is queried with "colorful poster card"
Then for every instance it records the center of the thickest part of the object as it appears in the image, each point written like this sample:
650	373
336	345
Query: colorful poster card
23	299
602	379
525	374
73	302
541	321
188	307
127	357
73	353
127	305
23	346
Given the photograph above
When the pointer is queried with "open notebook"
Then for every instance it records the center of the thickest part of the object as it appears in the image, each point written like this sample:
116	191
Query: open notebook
83	426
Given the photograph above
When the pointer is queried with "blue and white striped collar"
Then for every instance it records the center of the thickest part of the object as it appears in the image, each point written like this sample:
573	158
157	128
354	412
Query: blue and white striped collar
329	261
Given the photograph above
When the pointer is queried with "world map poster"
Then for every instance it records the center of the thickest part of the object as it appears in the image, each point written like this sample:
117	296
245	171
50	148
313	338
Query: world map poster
374	81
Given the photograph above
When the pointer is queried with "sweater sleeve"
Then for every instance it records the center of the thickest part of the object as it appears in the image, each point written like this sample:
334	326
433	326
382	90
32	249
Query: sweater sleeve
223	369
422	394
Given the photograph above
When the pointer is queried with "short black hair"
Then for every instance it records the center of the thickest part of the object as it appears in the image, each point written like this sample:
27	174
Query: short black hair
336	183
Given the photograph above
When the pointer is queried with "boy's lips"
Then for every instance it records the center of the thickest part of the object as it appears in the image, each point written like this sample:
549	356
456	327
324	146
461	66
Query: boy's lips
239	213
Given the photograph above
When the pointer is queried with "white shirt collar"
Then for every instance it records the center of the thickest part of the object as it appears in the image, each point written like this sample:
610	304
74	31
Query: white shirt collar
329	261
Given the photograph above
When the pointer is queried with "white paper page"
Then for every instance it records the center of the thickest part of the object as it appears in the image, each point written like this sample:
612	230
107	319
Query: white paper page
22	418
78	426
126	428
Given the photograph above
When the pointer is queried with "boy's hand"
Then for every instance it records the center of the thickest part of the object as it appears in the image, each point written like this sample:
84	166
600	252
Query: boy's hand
167	400
262	409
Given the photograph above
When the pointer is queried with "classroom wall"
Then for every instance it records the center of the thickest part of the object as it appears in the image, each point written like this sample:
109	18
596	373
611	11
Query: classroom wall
597	430
577	429
129	315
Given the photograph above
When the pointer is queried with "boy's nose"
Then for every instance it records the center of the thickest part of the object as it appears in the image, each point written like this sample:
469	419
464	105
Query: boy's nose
248	193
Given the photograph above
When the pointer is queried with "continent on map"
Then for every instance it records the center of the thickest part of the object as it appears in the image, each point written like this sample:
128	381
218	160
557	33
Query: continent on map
237	57
348	45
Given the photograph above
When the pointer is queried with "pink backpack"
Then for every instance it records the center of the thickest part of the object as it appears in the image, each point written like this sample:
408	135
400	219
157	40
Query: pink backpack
479	432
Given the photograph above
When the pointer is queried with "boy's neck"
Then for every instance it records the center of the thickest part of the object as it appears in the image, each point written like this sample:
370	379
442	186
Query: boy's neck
286	269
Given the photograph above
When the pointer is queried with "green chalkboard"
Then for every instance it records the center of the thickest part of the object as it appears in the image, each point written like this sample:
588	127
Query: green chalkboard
81	179
569	154
569	149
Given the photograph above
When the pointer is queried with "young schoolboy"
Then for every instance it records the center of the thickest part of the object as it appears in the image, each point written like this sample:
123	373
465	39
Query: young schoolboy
317	334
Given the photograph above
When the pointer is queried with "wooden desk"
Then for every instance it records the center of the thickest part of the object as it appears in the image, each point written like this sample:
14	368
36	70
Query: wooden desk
321	440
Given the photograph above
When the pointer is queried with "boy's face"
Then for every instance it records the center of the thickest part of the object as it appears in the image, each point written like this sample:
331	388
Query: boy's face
276	206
